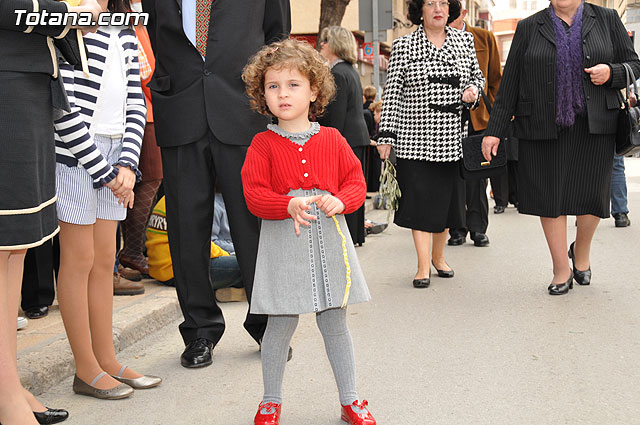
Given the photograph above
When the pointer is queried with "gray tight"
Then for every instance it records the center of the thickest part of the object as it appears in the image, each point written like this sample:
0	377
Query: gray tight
337	340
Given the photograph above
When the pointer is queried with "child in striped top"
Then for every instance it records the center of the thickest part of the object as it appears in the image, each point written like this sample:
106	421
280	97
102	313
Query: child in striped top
97	149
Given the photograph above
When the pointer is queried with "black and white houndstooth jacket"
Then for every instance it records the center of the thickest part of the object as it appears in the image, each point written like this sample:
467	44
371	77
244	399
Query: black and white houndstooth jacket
422	102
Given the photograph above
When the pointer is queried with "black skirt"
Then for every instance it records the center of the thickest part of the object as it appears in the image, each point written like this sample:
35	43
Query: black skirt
567	176
432	195
27	161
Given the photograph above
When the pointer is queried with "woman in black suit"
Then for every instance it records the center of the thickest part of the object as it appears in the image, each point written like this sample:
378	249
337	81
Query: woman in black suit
27	177
560	81
338	47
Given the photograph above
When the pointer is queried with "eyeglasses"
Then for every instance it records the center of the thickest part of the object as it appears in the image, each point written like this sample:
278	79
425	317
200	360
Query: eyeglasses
431	4
324	40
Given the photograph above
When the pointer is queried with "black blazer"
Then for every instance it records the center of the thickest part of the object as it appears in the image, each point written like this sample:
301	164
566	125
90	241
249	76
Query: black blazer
527	89
191	96
27	52
345	111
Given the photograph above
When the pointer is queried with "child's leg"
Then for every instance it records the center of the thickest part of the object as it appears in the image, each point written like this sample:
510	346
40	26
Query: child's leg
337	341
101	298
275	349
76	262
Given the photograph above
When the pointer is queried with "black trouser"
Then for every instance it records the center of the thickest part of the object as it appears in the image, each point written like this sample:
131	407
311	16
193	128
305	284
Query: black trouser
477	204
40	264
505	186
355	220
190	174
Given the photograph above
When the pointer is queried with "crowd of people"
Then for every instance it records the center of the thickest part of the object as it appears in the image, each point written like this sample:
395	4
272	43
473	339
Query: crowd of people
154	158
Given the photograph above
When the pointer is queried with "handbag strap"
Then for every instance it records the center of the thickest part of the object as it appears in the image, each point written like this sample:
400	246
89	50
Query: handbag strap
631	82
486	101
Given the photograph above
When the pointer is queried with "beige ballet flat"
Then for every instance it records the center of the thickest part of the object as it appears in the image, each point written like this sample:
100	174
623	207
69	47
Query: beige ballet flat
141	383
81	387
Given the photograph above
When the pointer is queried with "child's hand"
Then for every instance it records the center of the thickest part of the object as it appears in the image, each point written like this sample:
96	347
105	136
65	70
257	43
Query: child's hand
330	205
298	208
125	180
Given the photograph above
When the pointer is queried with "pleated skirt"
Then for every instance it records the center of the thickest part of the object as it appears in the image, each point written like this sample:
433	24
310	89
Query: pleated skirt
567	176
433	195
27	161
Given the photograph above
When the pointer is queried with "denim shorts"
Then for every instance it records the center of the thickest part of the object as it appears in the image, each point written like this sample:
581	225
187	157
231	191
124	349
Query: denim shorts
78	202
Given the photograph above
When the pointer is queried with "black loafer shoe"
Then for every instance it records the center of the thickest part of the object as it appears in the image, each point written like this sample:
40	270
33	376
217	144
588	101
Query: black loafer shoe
51	416
622	220
37	312
197	353
562	288
457	240
480	239
498	209
443	273
421	283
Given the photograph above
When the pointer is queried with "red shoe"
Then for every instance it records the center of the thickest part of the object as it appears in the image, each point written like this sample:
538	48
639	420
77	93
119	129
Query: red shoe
268	414
357	414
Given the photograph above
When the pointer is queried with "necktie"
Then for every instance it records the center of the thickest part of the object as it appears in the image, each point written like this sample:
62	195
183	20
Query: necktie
203	14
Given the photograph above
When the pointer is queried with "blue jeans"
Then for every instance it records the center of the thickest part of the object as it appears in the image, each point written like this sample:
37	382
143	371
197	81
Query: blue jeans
225	272
618	187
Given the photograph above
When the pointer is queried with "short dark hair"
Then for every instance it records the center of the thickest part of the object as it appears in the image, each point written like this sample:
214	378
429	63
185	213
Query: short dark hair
415	11
119	6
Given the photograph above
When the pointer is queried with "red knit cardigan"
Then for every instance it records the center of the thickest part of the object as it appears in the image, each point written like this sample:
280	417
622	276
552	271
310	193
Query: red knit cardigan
274	165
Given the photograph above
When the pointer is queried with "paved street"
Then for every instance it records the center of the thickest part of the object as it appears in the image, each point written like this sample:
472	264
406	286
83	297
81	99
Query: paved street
487	347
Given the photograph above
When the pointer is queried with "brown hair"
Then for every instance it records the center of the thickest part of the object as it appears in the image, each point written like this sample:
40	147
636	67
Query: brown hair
289	53
376	106
369	92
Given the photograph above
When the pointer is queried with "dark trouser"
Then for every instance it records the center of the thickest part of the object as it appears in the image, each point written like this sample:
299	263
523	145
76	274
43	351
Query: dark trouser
40	263
190	173
355	220
505	186
477	205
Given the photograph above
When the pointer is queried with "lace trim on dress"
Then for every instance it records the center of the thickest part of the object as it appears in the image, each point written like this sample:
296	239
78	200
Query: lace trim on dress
298	138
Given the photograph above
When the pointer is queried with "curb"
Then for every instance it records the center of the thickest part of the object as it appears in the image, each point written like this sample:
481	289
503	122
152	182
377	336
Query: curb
41	369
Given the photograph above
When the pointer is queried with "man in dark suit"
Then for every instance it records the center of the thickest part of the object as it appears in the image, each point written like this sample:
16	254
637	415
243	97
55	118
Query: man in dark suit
477	213
203	127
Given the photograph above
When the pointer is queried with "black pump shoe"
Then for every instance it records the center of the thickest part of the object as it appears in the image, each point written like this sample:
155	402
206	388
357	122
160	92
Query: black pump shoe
582	277
51	416
443	273
421	283
561	289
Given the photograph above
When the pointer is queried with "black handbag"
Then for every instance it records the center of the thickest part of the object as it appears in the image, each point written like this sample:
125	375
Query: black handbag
474	166
628	131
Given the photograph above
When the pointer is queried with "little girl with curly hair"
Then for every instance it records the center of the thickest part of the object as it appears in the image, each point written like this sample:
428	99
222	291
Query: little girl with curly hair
300	171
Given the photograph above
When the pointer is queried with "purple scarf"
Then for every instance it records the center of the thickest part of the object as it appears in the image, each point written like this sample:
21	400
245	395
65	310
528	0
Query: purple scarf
569	92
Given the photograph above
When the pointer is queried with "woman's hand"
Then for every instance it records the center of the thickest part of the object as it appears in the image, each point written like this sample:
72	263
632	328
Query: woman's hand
88	6
384	151
490	146
330	205
298	208
599	74
470	95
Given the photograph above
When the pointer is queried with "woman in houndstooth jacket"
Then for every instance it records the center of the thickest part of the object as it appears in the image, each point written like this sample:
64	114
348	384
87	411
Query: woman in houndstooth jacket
433	74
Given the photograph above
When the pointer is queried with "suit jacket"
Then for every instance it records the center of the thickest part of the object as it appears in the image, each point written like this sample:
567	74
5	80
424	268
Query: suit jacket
489	62
528	84
192	96
345	111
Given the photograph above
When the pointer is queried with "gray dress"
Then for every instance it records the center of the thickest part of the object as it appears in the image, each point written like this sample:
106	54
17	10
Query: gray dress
306	273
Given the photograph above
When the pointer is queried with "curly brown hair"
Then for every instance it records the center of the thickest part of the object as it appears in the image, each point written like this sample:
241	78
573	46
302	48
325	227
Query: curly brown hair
289	53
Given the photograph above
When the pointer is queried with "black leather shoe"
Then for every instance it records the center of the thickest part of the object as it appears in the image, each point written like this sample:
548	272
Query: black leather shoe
582	277
480	239
622	220
421	283
443	273
51	416
455	240
37	312
197	353
561	289
498	209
